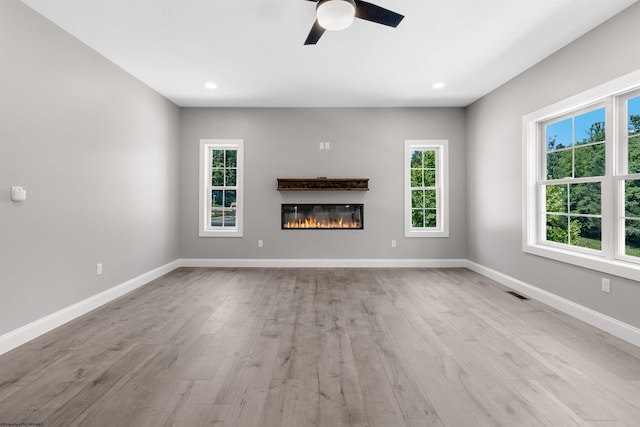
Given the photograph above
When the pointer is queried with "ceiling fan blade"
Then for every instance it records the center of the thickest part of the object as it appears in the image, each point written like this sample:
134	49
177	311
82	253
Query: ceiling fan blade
377	14
315	34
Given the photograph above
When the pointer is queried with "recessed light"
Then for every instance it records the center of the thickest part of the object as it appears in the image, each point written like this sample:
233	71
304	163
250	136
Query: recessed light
438	85
210	85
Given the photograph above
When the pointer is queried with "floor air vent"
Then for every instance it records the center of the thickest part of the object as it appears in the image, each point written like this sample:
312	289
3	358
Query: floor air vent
517	295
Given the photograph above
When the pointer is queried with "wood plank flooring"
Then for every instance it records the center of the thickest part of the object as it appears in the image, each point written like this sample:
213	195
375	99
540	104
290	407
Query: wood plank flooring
322	347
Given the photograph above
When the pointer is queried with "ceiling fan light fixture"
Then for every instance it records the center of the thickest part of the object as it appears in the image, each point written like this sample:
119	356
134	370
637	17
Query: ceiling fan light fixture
335	15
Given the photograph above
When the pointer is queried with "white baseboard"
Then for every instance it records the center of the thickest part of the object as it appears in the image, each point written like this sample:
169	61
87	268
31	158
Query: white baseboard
41	326
26	333
601	321
325	263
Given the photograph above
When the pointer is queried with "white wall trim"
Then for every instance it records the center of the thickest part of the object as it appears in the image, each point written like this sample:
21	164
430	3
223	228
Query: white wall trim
26	333
601	321
325	263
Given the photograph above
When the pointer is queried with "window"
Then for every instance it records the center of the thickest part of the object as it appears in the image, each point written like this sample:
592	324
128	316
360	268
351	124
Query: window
628	181
426	195
221	179
572	178
582	179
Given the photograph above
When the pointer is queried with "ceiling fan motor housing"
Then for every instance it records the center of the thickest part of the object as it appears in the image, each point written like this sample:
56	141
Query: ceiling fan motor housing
335	15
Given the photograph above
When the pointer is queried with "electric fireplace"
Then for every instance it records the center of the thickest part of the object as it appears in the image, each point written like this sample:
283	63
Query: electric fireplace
322	216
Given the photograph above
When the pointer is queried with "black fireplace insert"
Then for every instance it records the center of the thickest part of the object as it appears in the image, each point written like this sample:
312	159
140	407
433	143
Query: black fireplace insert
317	216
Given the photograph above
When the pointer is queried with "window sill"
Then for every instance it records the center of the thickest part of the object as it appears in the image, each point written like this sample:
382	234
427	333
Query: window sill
427	233
220	233
618	268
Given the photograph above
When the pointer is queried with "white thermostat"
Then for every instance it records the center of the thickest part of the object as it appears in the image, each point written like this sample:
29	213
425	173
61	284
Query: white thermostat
18	194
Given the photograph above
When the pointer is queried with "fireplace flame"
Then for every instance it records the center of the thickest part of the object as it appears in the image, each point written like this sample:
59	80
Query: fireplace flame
315	223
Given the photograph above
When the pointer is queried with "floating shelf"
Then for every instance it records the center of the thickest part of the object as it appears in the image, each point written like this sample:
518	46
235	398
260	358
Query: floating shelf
323	184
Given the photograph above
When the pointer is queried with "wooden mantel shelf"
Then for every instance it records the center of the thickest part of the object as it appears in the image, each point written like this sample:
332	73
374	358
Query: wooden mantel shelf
323	184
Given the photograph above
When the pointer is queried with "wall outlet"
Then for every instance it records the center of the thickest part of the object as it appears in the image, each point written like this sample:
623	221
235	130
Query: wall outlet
606	285
327	145
260	243
98	269
393	244
322	145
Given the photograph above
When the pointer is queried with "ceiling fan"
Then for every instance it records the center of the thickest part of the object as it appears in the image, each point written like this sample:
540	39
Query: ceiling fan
337	15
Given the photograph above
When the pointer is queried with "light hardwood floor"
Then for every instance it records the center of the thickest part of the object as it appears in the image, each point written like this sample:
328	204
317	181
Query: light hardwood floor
328	347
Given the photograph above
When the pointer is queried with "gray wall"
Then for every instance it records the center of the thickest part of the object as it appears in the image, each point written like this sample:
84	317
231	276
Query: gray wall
111	171
495	165
365	143
96	151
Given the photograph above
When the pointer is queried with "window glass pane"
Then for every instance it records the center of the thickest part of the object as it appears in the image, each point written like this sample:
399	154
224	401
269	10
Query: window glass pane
430	159
416	177
632	198
559	135
216	218
416	159
229	198
634	154
430	199
430	219
230	219
217	177
632	237
586	232
217	158
417	199
590	161
429	178
585	198
633	108
557	226
230	177
417	218
557	198
231	160
589	127
559	164
216	198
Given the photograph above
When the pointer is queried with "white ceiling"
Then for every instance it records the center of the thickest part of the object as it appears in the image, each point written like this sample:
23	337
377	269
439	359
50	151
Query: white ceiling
253	49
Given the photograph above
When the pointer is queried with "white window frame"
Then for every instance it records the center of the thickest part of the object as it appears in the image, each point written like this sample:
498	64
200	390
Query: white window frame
604	181
441	147
623	175
611	258
204	217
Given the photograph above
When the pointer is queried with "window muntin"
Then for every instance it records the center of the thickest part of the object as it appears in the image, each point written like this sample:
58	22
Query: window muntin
221	167
426	188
